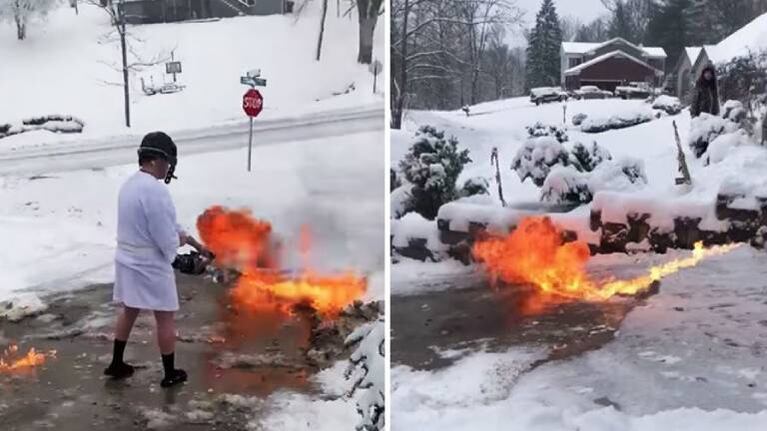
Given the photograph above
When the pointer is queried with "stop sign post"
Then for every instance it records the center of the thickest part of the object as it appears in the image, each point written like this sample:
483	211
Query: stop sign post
252	104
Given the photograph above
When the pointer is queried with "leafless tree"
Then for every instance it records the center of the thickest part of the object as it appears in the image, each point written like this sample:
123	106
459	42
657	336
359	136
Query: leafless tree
22	12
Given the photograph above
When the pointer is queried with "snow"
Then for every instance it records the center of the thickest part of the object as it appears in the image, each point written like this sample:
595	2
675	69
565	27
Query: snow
692	53
751	38
584	47
58	239
61	69
415	226
620	120
723	145
495	219
669	104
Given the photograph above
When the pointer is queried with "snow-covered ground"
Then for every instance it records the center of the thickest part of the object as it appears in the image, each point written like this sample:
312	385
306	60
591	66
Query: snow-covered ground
691	359
65	67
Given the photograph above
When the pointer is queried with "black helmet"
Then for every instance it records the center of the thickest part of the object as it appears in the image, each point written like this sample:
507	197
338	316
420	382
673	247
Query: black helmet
161	145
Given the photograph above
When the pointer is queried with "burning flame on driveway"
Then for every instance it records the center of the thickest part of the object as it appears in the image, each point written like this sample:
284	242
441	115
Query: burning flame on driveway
242	242
11	362
534	253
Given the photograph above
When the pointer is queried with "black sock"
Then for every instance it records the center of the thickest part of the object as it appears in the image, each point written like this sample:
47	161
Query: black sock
118	350
168	363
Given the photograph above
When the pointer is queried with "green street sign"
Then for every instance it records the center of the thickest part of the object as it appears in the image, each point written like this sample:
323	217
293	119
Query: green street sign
253	82
259	82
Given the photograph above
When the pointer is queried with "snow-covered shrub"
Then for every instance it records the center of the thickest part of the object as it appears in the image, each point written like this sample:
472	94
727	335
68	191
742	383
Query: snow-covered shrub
565	185
539	130
579	118
367	365
722	145
668	104
536	158
412	227
587	158
401	200
432	166
733	110
744	78
624	174
619	121
51	123
704	129
475	186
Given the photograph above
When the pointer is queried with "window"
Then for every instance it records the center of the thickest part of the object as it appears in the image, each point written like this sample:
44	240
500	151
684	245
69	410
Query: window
574	62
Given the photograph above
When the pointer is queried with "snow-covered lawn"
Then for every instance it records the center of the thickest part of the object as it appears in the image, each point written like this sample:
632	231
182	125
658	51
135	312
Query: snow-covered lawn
60	69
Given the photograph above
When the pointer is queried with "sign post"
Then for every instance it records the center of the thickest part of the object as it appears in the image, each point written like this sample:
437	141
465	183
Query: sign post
173	67
375	68
252	104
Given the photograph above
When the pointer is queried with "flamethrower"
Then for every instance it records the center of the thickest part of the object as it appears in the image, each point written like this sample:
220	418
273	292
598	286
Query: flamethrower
193	263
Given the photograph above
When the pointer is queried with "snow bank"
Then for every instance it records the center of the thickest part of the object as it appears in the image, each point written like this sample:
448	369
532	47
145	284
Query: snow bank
723	145
496	219
668	104
415	226
620	120
19	306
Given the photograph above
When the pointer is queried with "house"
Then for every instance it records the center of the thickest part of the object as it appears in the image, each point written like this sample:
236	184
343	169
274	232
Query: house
156	11
611	63
751	38
683	75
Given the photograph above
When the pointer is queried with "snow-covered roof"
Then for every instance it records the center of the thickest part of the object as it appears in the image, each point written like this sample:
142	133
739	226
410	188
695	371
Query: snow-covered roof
617	53
692	53
752	37
586	47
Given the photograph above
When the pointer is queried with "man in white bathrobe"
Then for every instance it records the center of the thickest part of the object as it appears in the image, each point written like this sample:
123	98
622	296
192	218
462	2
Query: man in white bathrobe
148	237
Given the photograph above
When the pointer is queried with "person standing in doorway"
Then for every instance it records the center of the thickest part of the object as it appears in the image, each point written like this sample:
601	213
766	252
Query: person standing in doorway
148	237
705	96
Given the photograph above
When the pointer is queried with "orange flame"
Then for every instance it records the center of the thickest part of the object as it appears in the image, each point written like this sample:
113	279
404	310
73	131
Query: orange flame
534	253
32	359
243	242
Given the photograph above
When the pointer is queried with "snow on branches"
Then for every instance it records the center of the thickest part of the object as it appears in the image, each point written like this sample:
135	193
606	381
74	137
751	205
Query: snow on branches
367	365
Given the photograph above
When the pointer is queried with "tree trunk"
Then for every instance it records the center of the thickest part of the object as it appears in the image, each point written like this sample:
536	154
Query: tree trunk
21	26
367	27
322	28
396	116
368	16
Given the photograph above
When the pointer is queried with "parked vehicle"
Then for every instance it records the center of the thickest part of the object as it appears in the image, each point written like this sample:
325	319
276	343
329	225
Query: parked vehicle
591	92
635	90
547	94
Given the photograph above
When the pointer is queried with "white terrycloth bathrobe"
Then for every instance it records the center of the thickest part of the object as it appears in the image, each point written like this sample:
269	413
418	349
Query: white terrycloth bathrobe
147	241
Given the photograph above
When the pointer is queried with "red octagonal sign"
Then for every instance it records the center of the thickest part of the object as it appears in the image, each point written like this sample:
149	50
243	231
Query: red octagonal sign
252	102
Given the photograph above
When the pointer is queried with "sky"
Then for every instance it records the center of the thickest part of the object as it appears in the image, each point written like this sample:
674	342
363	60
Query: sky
584	10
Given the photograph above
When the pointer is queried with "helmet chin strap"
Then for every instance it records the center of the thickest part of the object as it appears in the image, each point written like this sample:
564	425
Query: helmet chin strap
170	175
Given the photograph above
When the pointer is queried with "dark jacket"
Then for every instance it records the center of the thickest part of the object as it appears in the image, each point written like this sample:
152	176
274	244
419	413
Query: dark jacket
706	96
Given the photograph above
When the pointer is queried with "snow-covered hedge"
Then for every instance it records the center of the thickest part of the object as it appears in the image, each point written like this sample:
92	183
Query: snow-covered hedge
566	185
721	146
536	158
432	166
539	130
668	104
367	364
51	123
475	186
704	129
618	121
413	227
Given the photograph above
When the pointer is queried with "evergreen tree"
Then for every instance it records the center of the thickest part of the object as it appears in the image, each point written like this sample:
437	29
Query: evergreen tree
668	28
544	43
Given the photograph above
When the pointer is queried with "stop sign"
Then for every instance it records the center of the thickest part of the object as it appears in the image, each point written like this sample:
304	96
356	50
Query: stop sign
252	102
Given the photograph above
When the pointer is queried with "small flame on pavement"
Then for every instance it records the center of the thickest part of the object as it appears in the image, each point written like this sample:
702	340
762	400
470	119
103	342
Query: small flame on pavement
11	362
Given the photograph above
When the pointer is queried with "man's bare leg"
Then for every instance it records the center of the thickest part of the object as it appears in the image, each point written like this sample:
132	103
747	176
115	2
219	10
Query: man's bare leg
119	369
166	339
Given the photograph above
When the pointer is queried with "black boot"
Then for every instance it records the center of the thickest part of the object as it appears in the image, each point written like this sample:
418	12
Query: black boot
173	376
119	369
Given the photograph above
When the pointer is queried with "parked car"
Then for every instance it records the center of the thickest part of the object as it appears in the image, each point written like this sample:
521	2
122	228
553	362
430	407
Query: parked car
547	94
591	92
635	90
